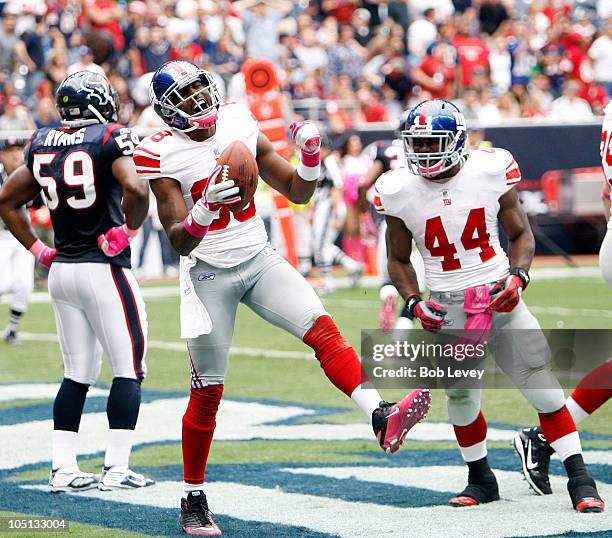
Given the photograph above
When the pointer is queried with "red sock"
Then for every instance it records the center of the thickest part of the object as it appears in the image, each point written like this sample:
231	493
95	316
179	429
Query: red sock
472	438
338	359
198	428
595	388
560	432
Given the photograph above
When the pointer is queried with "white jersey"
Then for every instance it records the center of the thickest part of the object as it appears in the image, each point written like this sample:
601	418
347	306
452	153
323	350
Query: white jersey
232	237
454	223
606	143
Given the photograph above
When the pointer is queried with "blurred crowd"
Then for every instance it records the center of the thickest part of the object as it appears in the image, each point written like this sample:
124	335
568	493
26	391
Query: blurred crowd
347	62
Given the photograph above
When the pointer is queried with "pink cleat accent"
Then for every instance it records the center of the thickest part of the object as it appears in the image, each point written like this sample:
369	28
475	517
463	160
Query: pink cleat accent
391	422
388	310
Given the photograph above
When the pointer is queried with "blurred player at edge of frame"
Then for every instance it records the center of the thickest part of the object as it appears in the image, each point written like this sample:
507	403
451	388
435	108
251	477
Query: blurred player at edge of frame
88	178
388	155
226	260
595	388
16	263
452	203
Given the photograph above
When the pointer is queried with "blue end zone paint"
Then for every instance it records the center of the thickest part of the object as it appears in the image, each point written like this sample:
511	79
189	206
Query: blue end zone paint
126	517
156	521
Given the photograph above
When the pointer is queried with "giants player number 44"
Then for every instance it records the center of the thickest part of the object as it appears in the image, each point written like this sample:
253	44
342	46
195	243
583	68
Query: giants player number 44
452	204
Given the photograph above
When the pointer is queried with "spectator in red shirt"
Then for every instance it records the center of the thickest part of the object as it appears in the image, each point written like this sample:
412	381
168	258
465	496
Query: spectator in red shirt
435	73
471	52
371	108
342	10
104	16
183	49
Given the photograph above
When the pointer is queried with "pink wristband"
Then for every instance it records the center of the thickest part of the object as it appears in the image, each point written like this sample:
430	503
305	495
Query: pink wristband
311	159
129	232
193	228
37	247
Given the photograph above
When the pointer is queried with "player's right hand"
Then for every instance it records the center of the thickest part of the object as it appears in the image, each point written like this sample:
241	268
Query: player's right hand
43	253
429	313
223	193
116	240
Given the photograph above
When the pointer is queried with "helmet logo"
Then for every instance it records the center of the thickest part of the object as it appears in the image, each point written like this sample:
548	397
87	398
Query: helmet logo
460	121
95	90
65	99
422	123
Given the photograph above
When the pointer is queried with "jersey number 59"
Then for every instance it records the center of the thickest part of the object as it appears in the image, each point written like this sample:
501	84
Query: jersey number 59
77	171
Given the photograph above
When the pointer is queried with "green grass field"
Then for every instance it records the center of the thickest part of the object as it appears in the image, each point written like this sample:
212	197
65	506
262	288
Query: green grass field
567	303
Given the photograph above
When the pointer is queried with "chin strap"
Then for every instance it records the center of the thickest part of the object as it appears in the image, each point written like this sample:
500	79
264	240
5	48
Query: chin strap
206	121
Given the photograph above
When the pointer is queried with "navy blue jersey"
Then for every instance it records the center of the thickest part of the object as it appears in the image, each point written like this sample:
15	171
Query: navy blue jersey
389	153
74	169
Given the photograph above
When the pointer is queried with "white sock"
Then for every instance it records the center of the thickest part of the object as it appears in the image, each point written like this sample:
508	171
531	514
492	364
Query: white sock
388	290
119	448
403	324
367	399
578	414
567	446
64	445
475	452
193	487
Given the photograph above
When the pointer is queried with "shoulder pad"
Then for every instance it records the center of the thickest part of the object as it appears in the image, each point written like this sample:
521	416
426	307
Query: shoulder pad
391	182
492	160
147	158
234	109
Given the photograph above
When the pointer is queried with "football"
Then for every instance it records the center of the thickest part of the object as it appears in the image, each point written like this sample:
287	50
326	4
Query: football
242	168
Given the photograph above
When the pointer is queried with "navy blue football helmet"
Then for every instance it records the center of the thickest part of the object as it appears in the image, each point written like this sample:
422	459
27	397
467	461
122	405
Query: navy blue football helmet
439	121
85	98
167	97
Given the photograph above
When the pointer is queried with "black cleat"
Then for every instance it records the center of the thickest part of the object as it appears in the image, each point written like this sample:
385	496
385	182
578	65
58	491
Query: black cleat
583	492
196	518
484	492
534	451
12	338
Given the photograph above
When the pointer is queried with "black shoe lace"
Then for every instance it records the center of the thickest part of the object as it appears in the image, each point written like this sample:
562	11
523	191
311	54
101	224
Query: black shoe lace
197	516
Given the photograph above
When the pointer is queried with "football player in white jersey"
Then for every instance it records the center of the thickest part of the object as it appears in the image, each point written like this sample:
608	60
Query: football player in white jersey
16	263
595	388
451	204
226	260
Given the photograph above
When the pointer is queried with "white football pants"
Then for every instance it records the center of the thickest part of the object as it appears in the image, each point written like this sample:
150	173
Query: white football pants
16	271
98	307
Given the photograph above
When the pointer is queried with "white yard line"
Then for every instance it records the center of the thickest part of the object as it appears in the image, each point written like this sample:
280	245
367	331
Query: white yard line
172	290
181	346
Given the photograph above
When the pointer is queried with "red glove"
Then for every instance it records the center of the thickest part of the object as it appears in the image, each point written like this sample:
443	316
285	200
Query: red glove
116	240
429	313
506	293
43	253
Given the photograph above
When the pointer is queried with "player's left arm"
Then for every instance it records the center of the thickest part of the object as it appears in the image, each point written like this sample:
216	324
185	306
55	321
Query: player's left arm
20	188
506	293
119	148
296	184
135	192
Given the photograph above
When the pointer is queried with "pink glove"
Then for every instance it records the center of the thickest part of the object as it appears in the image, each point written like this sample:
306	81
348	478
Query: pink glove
43	253
306	137
116	240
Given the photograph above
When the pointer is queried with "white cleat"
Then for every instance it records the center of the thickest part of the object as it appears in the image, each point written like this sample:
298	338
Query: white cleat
72	479
122	478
